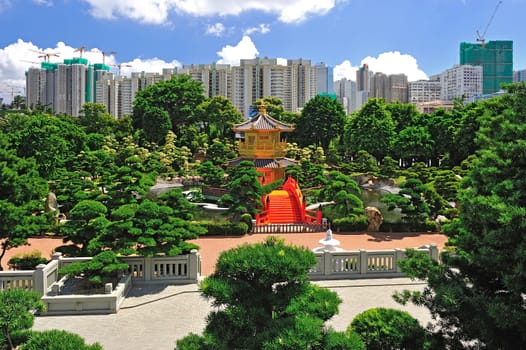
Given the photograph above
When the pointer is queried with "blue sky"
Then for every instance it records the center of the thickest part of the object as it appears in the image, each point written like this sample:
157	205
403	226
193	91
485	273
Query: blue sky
415	37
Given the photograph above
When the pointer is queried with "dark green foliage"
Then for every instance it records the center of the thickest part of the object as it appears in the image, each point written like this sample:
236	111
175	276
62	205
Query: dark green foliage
412	201
105	267
219	153
350	224
212	175
57	340
179	98
149	228
21	193
321	120
245	191
477	294
17	309
382	328
217	116
344	191
52	141
343	341
364	162
225	228
95	119
371	129
87	221
27	261
156	124
265	300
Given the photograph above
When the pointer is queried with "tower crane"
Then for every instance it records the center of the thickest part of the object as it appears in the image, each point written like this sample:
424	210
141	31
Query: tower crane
121	65
45	55
481	37
81	50
107	53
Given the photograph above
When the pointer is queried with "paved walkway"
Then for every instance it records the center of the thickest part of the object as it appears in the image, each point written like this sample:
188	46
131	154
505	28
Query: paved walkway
154	317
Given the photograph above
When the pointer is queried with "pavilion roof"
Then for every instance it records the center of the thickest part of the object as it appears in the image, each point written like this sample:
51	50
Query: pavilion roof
263	121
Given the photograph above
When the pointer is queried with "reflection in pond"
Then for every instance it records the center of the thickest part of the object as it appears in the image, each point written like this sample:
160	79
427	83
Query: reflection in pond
371	198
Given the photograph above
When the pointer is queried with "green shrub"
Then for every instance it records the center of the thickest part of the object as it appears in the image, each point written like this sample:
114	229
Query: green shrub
225	228
26	261
343	341
350	224
57	340
247	219
382	328
102	268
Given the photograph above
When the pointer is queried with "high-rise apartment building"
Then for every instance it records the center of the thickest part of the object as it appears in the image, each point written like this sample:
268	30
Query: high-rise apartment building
461	81
389	87
345	90
324	78
496	59
63	87
363	78
424	91
519	75
397	88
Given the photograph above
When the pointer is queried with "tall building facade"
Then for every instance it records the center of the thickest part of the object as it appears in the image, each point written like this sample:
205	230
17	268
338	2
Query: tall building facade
461	81
345	90
424	91
519	75
66	87
496	60
389	87
324	78
63	87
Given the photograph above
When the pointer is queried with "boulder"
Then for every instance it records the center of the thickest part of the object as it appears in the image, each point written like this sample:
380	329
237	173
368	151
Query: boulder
375	218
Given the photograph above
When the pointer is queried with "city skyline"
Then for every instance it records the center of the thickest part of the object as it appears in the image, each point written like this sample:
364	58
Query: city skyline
391	38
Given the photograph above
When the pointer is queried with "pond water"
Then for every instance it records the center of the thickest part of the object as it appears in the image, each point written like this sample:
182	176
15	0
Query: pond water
371	198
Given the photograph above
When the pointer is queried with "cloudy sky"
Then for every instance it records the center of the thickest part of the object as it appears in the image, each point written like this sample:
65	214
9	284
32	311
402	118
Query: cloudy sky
415	37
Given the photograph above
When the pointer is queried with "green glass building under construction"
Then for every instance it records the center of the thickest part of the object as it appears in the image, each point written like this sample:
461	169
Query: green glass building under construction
496	59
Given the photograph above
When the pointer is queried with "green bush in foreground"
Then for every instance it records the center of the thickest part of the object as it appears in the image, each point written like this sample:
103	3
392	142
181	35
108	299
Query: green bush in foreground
57	340
382	328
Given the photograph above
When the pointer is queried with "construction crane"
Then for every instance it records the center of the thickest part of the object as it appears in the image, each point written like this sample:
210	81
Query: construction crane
12	92
45	55
81	50
119	67
107	53
482	37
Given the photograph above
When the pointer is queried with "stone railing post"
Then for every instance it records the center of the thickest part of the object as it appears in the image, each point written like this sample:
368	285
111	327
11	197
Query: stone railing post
39	279
399	255
148	267
57	257
327	265
433	251
363	261
193	265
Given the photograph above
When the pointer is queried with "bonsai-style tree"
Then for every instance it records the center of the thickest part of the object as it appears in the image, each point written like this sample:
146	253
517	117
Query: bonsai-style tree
245	191
17	309
264	300
55	339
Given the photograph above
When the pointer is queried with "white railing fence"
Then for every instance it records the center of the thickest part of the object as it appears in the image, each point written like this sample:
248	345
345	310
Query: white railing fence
362	263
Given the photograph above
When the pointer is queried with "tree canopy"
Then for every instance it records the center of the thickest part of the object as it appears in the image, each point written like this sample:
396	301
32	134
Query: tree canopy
478	292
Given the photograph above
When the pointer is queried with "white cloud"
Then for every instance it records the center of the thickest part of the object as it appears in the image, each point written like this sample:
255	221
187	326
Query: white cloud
262	28
388	63
395	63
149	65
43	2
157	11
4	5
215	29
245	49
152	11
344	70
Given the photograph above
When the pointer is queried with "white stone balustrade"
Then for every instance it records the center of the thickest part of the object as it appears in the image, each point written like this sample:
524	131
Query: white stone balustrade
362	263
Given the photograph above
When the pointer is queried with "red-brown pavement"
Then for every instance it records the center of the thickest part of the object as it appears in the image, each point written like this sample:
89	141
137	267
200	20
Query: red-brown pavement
211	247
